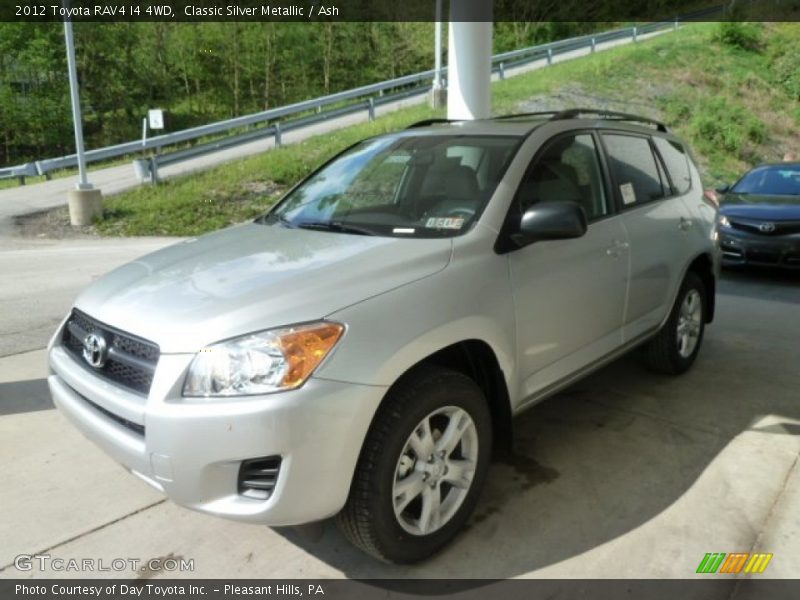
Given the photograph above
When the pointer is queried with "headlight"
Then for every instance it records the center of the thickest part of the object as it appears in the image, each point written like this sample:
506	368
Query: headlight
724	222
260	363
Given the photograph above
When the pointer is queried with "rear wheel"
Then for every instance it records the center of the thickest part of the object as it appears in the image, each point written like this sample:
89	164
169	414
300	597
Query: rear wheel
421	469
675	347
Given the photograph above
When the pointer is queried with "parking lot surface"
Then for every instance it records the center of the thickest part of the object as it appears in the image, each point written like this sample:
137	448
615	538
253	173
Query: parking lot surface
625	474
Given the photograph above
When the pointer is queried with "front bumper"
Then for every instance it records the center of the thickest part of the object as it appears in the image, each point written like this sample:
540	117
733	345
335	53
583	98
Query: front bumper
192	451
743	249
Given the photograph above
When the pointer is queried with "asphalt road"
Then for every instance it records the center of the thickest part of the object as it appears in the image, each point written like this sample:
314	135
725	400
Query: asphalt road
626	474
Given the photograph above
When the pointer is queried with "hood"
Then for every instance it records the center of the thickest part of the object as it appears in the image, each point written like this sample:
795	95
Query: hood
253	277
766	208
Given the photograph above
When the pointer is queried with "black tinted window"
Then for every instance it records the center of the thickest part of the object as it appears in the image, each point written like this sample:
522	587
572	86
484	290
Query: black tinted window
633	165
677	164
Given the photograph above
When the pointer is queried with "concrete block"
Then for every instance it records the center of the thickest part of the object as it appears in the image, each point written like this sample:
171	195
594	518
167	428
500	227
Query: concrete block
438	98
84	205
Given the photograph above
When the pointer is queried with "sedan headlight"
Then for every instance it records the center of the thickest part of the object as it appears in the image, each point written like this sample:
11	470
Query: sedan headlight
260	363
724	222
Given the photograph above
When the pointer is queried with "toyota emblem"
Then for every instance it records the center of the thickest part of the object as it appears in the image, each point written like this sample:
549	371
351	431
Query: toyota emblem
95	349
766	227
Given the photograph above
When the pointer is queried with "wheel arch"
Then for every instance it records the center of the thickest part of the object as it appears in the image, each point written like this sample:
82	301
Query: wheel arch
703	267
477	360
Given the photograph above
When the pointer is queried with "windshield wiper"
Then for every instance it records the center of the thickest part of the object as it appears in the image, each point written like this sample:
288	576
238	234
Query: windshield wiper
336	226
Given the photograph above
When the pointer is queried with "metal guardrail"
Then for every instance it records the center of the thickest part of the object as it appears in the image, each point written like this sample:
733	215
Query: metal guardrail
20	172
269	123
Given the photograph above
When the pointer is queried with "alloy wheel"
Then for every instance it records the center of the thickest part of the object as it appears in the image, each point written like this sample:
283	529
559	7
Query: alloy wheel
689	323
435	470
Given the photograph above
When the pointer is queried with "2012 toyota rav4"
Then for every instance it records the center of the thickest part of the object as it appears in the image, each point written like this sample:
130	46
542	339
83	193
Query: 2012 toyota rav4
360	349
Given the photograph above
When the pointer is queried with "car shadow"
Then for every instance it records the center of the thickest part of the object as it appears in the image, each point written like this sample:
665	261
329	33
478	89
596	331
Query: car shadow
605	456
24	396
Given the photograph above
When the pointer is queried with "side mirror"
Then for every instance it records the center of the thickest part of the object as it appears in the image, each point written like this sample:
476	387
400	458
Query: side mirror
552	221
723	189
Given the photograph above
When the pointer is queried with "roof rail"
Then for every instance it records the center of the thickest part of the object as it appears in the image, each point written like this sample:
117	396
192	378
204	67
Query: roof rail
543	113
574	113
435	121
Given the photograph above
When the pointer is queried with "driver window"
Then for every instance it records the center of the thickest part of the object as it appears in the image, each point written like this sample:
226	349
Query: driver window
569	170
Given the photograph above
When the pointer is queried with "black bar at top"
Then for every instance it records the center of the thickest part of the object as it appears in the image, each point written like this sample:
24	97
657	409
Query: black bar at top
396	10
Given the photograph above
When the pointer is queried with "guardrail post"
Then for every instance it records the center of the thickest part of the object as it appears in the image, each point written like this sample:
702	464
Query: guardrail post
675	24
21	179
635	34
277	128
594	45
502	71
549	56
153	170
371	108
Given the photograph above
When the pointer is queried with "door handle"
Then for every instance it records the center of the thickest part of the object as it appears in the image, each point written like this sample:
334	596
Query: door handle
617	248
684	224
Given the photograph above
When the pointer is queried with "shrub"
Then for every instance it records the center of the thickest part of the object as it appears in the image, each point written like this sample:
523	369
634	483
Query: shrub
745	36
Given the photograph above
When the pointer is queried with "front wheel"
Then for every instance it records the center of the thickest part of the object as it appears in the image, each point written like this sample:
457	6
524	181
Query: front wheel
421	468
675	347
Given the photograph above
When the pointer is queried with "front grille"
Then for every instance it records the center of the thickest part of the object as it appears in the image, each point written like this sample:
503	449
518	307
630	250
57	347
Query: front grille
780	227
258	476
130	361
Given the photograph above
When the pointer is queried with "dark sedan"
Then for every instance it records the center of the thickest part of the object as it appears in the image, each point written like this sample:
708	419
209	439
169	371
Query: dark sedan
760	217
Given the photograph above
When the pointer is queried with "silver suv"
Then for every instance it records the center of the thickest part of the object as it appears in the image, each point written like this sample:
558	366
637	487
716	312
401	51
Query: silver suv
360	350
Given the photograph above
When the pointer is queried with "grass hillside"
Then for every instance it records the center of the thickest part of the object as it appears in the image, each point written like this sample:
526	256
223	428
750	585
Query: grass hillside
731	90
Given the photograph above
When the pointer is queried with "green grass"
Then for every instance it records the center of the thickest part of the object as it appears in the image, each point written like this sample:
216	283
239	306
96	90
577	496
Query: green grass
731	94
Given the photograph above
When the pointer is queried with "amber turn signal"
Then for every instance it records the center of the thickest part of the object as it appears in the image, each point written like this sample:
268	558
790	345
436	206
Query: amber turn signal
305	348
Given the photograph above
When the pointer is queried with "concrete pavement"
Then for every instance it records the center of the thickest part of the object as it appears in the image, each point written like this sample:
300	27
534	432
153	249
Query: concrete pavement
626	474
41	278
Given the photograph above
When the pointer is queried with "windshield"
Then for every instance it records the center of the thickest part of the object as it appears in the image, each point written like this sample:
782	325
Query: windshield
425	186
773	180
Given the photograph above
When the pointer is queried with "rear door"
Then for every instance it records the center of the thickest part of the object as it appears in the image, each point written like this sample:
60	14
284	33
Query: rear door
656	221
569	295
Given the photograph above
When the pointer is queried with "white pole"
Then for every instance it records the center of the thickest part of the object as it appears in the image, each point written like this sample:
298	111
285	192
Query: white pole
83	181
469	61
437	77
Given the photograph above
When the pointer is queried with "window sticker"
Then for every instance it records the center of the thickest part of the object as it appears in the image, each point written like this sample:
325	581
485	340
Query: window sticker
628	194
444	223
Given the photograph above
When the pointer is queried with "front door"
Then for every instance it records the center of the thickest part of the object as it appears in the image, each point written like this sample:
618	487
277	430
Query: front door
569	295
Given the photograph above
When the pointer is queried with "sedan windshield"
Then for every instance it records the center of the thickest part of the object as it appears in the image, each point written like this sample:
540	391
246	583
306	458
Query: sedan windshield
401	186
772	180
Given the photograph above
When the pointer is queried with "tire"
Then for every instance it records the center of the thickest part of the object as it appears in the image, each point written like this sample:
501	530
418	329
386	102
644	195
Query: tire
674	349
388	458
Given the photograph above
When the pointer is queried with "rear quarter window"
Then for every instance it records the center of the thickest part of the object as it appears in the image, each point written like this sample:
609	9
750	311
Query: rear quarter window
677	163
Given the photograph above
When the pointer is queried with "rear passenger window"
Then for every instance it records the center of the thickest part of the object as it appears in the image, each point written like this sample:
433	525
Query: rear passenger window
569	170
677	164
636	174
